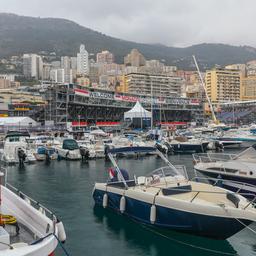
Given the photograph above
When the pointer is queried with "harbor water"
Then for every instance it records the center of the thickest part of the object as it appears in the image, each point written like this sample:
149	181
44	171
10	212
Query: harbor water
66	188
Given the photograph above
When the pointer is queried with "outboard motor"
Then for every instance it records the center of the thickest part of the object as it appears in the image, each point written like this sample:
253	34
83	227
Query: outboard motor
169	147
219	146
47	156
162	148
106	150
22	156
84	153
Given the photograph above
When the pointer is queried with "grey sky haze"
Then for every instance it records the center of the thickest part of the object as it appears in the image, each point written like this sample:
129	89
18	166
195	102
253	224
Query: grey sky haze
169	22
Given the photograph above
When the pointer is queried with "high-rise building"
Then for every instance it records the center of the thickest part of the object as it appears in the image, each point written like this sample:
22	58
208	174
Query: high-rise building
57	75
248	88
65	64
83	61
105	57
32	66
134	58
223	85
159	85
46	71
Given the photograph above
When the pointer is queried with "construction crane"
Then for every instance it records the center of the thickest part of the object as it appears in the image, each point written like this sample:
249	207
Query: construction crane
205	90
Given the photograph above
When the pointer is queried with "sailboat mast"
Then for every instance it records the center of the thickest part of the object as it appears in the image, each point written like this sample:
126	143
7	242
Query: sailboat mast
151	85
205	90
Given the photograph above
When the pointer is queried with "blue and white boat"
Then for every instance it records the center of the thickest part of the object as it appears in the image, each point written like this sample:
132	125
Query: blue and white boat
183	145
168	200
236	172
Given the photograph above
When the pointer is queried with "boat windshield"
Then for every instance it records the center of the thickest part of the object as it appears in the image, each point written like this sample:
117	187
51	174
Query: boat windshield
70	144
169	171
248	155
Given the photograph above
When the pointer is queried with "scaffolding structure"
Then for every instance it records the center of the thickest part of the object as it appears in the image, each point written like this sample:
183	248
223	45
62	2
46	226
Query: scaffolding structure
64	105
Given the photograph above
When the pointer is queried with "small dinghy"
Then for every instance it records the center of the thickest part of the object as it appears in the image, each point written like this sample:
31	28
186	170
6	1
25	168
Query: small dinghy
168	200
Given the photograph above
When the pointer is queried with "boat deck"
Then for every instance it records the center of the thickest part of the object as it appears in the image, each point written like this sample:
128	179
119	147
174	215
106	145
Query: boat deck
24	236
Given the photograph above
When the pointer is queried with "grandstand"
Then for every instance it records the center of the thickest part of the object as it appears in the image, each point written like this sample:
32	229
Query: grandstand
240	112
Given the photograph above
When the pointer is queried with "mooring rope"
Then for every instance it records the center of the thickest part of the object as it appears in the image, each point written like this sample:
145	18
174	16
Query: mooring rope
253	231
188	244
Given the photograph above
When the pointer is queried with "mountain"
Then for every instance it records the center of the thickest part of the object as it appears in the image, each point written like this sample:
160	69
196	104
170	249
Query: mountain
20	34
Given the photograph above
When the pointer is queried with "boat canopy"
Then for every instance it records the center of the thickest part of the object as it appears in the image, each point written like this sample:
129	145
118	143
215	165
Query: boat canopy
132	149
17	134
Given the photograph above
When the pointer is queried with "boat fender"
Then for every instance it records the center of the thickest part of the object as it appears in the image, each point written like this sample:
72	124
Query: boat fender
122	204
27	200
61	231
42	210
153	214
105	200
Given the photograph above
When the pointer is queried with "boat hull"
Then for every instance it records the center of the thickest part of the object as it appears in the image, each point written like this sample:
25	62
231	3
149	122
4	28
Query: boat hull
189	148
230	182
173	219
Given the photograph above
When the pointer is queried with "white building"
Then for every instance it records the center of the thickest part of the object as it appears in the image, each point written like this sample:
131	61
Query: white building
32	66
66	65
83	61
57	75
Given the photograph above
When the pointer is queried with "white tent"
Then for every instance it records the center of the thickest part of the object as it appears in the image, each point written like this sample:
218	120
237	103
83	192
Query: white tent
18	121
137	112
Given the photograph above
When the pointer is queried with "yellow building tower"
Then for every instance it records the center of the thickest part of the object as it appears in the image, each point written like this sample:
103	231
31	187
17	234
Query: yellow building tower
223	85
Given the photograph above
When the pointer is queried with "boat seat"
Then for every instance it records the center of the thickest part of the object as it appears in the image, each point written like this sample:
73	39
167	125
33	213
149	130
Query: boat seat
233	198
120	184
176	190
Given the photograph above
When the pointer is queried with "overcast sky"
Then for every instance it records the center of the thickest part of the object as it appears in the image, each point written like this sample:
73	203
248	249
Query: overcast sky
169	22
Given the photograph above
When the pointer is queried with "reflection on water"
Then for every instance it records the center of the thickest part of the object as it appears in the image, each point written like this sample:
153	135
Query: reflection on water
65	187
151	242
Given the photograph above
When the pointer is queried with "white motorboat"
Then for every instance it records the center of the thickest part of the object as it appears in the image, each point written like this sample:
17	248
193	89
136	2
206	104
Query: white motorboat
26	226
16	149
168	200
69	150
237	172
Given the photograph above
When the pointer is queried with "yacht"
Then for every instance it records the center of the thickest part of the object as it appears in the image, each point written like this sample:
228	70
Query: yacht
184	145
168	200
16	149
26	226
237	171
69	150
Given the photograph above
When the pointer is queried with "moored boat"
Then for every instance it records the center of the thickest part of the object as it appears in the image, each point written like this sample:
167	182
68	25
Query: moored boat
69	150
168	200
239	170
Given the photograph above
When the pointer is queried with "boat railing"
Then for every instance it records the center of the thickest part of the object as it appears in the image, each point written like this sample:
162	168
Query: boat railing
35	204
212	157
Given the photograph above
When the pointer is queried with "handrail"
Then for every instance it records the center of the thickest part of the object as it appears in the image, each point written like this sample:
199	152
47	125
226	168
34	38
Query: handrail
36	203
212	157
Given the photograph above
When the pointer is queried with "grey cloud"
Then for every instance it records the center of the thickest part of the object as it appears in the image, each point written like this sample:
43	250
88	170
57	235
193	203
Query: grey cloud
170	22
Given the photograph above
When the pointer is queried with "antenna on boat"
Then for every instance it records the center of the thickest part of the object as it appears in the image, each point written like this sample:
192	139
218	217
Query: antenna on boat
205	90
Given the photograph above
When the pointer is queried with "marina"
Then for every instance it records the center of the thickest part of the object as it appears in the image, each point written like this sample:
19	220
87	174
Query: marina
63	183
137	143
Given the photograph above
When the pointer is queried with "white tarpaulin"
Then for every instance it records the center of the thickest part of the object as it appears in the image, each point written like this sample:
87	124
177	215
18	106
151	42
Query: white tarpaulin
17	121
137	112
